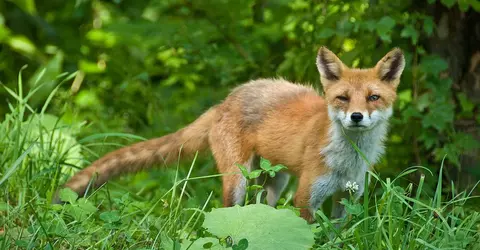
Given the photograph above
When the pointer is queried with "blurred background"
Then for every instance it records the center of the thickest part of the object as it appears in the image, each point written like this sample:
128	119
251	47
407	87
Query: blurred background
149	67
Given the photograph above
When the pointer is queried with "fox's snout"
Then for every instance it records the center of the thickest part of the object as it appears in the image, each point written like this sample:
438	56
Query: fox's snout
356	117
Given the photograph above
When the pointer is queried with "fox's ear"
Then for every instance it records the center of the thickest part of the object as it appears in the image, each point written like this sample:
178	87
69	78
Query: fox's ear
390	67
329	65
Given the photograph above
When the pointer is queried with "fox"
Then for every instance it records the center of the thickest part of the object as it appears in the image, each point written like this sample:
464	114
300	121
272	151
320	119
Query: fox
309	132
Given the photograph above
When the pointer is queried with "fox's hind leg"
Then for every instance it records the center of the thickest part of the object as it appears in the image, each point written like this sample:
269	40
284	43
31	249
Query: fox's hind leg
234	183
275	187
229	149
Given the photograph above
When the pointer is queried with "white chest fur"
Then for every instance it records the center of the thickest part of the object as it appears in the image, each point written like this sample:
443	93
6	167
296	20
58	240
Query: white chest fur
342	157
345	162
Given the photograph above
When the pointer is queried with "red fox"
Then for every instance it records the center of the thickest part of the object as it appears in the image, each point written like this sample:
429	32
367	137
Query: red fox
286	123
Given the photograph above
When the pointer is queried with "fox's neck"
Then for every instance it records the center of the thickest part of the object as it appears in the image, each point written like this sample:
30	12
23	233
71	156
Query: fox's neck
341	155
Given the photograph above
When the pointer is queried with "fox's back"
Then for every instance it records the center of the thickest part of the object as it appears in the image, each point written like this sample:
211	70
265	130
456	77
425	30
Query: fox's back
279	117
258	99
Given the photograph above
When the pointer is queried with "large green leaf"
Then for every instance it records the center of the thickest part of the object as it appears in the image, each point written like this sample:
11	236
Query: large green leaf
263	226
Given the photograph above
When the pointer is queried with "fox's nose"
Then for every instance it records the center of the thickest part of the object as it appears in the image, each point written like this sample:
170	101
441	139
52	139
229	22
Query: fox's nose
356	117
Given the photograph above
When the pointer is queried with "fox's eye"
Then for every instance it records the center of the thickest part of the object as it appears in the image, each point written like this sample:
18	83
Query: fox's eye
373	98
342	98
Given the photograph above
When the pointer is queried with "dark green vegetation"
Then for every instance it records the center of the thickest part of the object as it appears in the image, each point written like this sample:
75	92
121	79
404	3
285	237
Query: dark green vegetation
141	69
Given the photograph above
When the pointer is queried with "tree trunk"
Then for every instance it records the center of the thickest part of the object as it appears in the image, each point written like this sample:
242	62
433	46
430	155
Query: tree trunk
457	40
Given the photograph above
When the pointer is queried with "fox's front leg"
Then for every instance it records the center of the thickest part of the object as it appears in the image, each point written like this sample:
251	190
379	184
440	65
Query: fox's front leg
312	191
302	197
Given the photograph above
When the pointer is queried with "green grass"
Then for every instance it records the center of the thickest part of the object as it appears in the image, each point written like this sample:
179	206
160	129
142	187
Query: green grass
169	210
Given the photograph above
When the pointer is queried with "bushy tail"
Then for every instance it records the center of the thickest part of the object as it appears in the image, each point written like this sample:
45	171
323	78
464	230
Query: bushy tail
164	150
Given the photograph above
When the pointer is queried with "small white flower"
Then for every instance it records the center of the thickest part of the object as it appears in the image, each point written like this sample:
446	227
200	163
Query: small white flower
351	186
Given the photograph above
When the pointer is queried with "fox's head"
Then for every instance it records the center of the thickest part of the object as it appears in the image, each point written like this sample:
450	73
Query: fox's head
360	99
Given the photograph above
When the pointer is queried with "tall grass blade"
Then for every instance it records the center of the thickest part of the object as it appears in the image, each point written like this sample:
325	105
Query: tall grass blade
16	164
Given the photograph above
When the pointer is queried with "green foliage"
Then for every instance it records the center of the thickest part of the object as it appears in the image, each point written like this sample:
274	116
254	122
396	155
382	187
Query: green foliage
265	168
259	176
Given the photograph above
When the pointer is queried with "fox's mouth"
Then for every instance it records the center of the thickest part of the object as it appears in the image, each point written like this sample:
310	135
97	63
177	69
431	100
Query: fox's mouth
357	126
